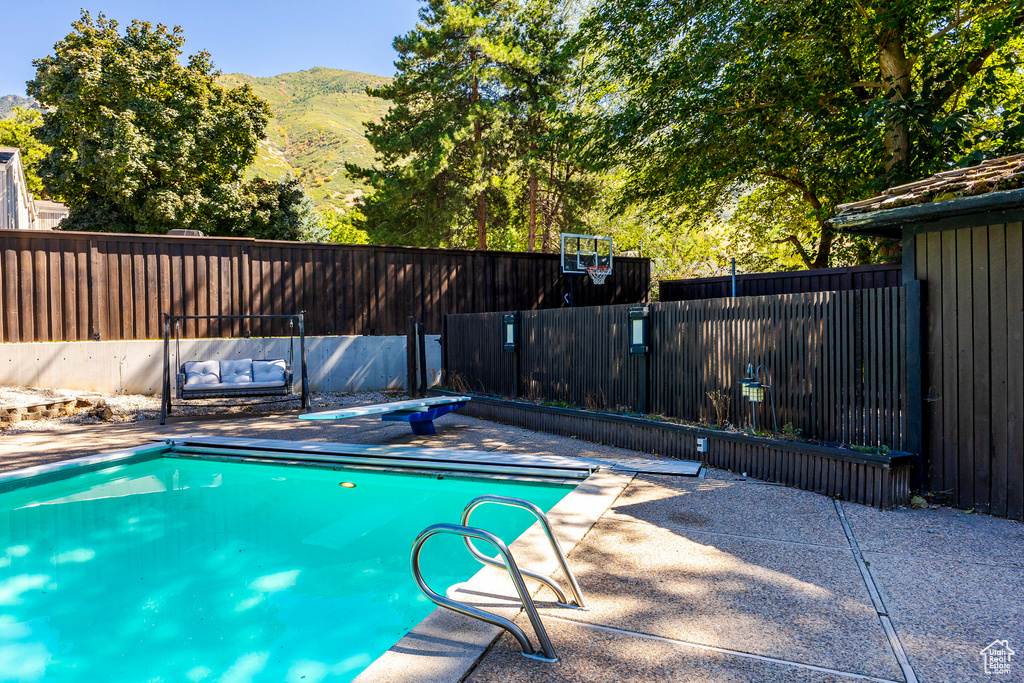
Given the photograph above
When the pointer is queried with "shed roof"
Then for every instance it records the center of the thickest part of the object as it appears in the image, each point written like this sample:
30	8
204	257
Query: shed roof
7	153
47	205
997	183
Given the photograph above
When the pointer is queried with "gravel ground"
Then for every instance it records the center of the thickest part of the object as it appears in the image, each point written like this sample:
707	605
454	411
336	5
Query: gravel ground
20	396
135	407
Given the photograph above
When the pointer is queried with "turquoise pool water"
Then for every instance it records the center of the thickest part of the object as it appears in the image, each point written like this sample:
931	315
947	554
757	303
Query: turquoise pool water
190	570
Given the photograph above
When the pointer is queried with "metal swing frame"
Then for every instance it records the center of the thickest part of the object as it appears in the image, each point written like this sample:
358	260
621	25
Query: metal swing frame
295	320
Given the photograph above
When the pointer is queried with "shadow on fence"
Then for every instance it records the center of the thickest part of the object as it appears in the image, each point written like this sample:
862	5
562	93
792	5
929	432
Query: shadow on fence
837	361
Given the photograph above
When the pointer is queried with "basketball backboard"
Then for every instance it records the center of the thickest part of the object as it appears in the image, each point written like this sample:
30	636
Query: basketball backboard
580	252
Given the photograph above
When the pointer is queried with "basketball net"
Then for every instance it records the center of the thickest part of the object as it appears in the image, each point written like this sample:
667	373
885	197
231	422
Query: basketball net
598	273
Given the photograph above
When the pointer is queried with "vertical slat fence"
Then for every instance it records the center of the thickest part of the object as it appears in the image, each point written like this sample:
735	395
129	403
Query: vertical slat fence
835	361
65	286
786	282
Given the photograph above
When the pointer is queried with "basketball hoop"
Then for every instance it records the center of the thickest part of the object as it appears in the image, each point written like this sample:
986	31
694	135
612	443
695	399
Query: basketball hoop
598	273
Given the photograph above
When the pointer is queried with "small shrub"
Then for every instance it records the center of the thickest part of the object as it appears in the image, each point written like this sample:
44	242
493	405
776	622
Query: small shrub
791	432
720	402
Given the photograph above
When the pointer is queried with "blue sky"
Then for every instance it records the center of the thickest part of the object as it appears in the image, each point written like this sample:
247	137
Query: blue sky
257	37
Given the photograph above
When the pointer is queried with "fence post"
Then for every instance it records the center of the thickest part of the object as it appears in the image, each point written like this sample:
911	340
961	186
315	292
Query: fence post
645	392
913	438
93	290
410	357
517	380
421	337
444	351
302	355
165	387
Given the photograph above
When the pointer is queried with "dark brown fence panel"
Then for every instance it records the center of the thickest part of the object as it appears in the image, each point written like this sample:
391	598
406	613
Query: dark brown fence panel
789	282
973	339
576	356
494	370
836	360
64	286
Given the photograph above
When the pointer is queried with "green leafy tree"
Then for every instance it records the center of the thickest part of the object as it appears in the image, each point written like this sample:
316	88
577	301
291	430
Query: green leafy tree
344	227
833	100
769	227
141	142
16	131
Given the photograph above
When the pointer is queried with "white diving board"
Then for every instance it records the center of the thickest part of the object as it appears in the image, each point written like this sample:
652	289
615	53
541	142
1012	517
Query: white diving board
420	413
416	404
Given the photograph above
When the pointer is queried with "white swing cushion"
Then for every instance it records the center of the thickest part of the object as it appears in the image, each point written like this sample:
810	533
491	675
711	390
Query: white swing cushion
199	373
236	371
268	372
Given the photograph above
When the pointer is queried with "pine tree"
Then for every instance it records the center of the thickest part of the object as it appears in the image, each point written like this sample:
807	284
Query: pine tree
535	75
443	142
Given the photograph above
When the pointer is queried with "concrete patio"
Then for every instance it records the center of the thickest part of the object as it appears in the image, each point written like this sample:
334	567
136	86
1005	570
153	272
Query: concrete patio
722	578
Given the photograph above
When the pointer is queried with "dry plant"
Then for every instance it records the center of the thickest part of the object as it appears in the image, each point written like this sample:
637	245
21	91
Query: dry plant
531	388
595	402
720	401
457	381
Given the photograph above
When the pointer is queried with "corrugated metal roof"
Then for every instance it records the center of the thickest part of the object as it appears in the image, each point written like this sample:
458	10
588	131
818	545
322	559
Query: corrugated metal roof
995	175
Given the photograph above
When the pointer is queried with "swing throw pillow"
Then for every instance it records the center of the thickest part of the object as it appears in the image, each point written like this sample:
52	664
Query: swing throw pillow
268	371
236	371
202	372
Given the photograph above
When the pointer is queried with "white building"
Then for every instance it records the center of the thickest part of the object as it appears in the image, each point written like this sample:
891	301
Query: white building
18	209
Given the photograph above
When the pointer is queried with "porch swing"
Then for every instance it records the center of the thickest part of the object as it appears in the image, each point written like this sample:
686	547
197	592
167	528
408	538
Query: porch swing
243	378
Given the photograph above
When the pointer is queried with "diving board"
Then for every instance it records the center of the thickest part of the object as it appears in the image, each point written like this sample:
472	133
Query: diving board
420	413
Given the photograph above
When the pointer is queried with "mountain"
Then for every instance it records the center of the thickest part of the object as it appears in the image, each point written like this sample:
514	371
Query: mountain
317	127
9	102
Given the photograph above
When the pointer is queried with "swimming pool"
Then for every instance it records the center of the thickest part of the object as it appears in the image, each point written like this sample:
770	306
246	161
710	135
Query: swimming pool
178	568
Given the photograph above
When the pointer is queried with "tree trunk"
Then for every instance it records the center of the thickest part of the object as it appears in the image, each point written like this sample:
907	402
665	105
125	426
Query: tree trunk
533	209
824	247
895	72
481	222
481	205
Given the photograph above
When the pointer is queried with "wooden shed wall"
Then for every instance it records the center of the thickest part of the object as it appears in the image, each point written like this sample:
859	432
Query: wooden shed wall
973	377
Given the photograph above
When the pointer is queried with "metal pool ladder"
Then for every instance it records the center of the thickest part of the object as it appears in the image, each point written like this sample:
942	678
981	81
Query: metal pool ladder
507	562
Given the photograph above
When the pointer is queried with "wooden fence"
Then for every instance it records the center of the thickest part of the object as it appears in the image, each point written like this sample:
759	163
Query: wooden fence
66	286
837	361
790	282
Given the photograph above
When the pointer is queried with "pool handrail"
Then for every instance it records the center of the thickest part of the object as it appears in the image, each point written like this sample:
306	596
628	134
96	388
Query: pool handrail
547	653
578	602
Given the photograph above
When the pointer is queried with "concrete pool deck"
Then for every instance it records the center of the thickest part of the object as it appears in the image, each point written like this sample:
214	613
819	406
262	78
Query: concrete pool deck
716	579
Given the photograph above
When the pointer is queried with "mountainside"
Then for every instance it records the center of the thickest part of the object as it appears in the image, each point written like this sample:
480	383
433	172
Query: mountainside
9	102
317	127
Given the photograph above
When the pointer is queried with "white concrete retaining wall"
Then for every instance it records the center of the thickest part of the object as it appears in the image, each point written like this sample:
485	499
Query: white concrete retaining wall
136	367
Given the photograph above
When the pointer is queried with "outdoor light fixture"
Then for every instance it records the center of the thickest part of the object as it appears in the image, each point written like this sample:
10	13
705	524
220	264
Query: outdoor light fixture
638	330
511	323
755	392
752	389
